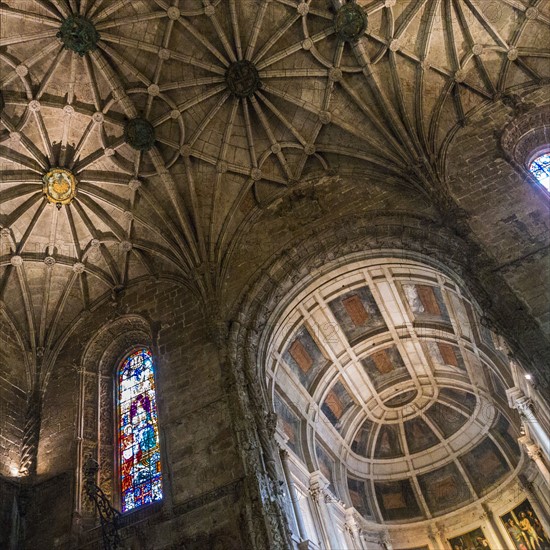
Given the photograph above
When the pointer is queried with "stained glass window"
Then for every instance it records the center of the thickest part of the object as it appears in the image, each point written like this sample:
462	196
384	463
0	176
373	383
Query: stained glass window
139	448
540	168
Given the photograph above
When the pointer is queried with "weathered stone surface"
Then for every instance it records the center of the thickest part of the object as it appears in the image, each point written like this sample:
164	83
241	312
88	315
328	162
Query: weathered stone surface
277	138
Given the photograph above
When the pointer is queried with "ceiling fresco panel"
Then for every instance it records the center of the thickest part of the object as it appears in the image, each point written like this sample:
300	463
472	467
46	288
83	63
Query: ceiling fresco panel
336	403
419	435
484	465
358	495
290	424
426	302
385	367
507	435
447	419
388	444
304	357
397	500
445	355
464	400
360	443
326	465
357	313
444	489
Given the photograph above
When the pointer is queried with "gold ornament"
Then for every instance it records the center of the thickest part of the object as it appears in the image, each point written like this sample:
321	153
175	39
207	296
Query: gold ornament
59	186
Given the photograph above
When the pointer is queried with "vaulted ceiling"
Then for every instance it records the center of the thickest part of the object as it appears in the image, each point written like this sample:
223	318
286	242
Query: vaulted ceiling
180	119
384	379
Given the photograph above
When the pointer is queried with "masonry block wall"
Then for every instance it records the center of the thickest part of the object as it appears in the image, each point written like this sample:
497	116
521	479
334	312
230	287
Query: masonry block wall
508	215
13	388
201	470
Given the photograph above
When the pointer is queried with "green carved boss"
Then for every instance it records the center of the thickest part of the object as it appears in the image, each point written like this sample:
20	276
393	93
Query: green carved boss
139	133
242	78
350	22
78	34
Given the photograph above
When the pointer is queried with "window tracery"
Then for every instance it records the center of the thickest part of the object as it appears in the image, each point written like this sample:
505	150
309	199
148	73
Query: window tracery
524	142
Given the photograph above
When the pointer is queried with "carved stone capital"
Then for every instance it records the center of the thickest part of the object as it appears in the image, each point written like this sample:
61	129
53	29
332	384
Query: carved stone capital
317	486
385	540
533	450
315	492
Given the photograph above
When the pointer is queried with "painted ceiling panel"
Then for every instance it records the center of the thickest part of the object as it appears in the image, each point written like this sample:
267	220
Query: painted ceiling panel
407	410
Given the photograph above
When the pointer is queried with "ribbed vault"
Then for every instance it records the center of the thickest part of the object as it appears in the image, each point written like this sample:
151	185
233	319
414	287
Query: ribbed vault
179	120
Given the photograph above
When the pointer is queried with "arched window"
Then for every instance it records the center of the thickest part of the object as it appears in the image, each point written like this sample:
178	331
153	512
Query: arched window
138	441
540	168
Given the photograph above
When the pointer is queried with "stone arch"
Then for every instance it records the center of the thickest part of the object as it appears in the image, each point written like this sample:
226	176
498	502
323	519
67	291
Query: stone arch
396	234
405	236
525	136
96	413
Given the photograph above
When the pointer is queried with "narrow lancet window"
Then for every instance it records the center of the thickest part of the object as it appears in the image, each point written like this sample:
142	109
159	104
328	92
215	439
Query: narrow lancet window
139	447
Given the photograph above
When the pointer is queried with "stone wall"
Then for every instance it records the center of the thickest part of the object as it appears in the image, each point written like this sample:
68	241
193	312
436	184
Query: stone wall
8	514
507	212
47	513
201	472
13	388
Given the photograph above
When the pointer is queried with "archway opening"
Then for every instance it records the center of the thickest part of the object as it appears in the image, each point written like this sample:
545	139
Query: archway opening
391	401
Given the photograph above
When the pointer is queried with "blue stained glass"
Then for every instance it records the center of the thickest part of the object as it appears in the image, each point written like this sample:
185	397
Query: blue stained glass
139	448
540	168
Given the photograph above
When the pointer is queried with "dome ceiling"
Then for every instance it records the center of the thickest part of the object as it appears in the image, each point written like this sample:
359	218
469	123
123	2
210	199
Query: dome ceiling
177	119
381	377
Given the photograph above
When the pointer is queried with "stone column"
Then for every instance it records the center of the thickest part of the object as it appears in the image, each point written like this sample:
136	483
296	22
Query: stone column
432	538
518	400
436	535
293	497
535	454
31	433
490	518
318	491
353	530
79	436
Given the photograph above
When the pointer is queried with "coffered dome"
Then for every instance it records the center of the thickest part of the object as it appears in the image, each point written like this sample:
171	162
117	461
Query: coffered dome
384	379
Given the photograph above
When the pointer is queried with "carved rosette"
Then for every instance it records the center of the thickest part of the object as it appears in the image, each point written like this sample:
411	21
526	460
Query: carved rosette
59	186
350	22
78	34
